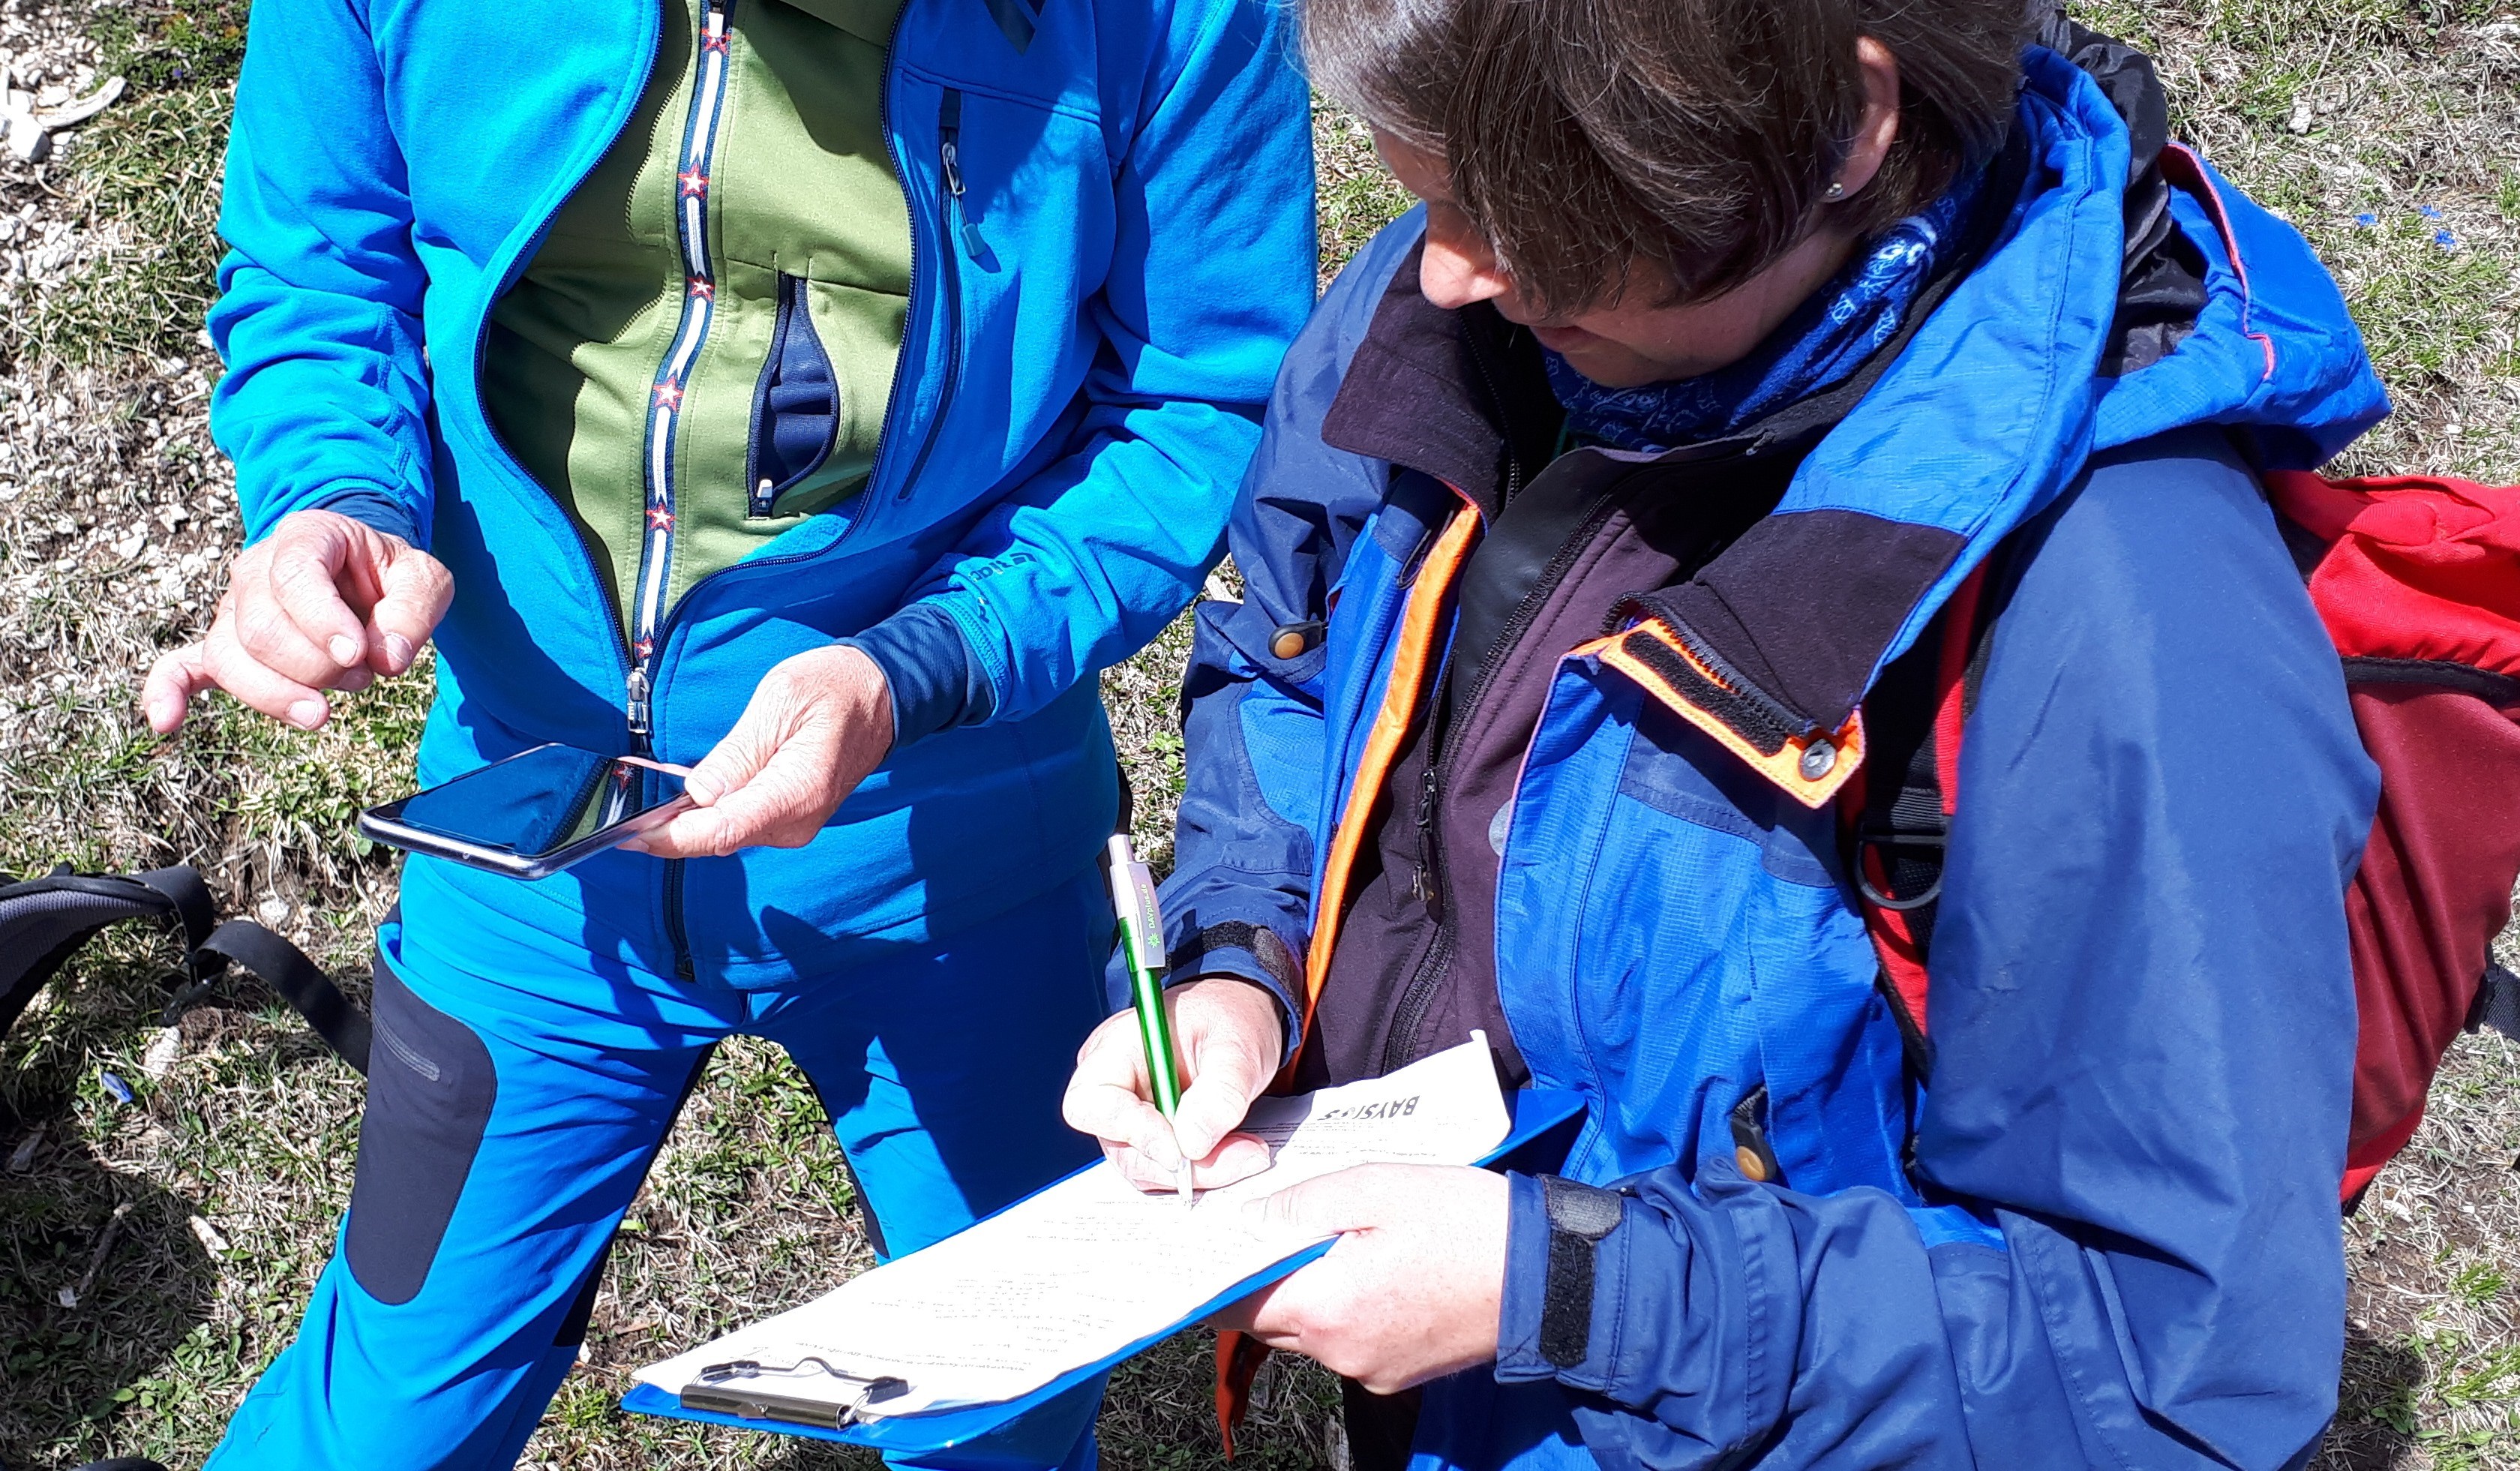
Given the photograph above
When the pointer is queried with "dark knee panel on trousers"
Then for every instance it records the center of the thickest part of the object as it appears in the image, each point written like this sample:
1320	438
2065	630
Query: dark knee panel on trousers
431	1089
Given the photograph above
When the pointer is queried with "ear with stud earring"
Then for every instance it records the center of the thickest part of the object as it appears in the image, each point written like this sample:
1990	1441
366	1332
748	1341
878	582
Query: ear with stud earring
1835	192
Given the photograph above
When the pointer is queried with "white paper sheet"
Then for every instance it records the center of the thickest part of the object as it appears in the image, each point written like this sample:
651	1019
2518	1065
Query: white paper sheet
1092	1265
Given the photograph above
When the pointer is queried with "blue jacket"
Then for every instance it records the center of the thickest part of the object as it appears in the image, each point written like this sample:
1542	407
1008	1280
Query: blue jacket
2119	1243
1141	174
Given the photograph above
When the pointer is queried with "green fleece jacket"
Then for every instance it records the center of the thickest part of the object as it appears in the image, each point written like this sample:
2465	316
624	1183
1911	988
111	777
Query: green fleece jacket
808	238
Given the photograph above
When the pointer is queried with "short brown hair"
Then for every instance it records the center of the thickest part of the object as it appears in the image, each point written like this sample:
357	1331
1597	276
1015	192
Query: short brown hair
1582	135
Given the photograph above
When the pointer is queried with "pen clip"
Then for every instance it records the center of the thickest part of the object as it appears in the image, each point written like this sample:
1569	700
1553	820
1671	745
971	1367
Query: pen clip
1133	900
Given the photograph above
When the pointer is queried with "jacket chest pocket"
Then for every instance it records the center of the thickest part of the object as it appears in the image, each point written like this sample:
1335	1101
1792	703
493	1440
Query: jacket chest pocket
797	408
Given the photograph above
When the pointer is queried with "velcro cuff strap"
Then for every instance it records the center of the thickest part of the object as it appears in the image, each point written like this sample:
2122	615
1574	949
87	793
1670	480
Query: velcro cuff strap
1579	1217
1265	946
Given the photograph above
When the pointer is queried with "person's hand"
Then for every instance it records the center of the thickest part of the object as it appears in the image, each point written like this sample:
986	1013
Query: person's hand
1229	1038
817	724
322	603
1411	1290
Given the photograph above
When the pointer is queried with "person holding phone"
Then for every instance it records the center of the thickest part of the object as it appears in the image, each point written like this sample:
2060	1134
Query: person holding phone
1741	356
814	393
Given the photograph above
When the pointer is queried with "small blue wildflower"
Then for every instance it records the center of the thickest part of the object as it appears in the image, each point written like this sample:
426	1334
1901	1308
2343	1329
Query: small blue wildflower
114	1088
2366	220
2428	211
2446	239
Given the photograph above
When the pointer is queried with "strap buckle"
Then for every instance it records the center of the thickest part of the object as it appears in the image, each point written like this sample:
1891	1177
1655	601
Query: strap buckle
1871	837
192	985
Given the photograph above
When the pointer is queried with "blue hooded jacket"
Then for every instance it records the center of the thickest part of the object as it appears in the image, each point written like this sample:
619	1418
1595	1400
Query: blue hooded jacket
1086	388
2117	1242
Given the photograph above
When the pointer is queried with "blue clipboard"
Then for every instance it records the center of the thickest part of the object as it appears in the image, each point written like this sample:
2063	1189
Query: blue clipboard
1543	1125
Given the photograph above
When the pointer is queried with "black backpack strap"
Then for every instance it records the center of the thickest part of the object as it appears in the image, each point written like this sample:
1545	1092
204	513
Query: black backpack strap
44	921
2498	1002
299	981
183	887
1898	823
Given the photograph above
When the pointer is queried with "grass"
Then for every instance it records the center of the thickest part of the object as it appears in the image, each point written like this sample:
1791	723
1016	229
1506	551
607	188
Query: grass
230	1165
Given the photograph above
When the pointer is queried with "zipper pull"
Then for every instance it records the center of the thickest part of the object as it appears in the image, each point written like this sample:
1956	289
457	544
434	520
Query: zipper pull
761	497
638	690
1422	884
949	155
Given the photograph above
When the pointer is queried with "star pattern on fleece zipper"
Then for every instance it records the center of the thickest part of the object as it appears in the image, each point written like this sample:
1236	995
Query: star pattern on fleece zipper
701	129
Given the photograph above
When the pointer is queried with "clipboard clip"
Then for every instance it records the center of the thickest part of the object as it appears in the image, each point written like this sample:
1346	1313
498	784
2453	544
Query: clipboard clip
737	1388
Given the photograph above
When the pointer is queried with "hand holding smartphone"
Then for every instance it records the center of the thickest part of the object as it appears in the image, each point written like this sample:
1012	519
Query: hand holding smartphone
536	813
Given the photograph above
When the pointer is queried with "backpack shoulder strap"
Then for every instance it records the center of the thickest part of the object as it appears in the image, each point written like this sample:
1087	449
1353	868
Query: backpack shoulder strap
1896	814
44	921
299	980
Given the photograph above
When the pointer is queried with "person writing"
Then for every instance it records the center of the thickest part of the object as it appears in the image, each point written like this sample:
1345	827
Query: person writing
813	393
1739	354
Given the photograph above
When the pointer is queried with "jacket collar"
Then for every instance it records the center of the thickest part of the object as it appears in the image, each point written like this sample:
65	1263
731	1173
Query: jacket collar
1956	434
1459	396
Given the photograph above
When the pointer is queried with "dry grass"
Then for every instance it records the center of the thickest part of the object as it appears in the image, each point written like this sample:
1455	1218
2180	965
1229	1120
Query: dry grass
115	518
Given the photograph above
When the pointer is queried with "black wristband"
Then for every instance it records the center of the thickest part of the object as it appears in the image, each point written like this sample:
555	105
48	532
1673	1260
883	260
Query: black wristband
1579	1217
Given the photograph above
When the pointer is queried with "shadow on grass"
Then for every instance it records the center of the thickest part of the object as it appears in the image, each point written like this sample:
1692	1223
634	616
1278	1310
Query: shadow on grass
111	1341
2375	1406
103	1290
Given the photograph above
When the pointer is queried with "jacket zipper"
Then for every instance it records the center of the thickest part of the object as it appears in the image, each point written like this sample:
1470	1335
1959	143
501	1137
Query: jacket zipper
692	173
673	371
1400	1044
1422	883
1427	883
885	446
949	166
640	687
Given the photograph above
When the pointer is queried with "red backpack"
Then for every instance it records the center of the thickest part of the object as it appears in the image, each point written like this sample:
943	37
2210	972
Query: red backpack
2417	579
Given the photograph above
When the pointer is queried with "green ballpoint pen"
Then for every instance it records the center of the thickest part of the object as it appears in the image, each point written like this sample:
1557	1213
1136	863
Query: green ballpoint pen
1142	939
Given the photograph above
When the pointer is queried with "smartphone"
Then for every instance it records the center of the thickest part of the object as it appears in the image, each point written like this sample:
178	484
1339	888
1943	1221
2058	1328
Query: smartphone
536	813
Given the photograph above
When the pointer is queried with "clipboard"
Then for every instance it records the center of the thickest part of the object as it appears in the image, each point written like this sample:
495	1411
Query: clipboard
1543	1125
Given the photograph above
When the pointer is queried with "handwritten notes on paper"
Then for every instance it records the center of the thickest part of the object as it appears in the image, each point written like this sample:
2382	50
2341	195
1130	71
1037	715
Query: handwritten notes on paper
1085	1268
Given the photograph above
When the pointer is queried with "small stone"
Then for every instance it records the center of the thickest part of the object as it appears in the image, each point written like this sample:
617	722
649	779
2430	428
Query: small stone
272	911
162	1052
208	1235
2302	106
67	1297
23	1158
28	140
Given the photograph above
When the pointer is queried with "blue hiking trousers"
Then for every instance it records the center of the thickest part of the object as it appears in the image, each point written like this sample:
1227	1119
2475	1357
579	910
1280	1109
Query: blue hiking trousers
519	1088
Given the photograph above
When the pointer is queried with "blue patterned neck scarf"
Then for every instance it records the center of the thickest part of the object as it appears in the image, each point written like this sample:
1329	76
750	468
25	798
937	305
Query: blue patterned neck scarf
1827	338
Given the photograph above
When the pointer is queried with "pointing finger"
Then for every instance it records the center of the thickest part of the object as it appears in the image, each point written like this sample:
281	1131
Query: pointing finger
257	684
173	680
